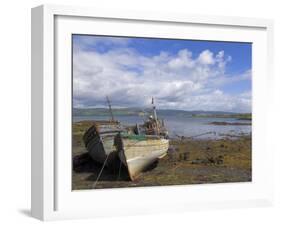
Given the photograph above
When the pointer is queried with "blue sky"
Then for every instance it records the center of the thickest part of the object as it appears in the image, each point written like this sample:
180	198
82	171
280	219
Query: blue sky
180	74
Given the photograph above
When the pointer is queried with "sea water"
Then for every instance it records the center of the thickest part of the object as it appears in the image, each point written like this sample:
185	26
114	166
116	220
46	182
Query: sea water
186	126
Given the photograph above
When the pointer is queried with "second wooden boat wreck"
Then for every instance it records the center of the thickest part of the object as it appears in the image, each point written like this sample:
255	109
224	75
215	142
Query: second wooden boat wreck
99	140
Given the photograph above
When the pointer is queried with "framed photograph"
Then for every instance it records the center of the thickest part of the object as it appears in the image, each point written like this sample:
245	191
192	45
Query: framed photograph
136	113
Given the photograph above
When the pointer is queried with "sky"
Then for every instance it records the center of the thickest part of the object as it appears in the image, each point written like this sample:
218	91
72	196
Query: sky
179	74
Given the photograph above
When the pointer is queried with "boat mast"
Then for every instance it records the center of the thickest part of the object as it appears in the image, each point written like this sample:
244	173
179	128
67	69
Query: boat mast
154	109
155	115
110	110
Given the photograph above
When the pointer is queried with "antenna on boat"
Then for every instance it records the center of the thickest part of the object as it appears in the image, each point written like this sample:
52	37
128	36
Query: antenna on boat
110	110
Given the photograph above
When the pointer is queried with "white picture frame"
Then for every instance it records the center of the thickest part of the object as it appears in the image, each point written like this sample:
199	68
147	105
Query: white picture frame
52	198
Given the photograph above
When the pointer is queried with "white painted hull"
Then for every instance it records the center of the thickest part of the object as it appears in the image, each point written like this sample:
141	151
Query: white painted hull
138	155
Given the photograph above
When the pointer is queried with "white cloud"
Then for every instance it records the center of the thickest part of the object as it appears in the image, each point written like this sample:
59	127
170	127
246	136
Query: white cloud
183	59
206	57
176	81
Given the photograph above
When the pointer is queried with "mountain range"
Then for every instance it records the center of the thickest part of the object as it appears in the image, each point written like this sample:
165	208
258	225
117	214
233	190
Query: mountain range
160	112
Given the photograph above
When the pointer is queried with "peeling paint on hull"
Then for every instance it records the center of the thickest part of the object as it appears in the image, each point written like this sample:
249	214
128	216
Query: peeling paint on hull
99	141
137	155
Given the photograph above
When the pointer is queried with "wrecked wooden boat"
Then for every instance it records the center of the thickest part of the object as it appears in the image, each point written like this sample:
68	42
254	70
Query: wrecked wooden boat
138	152
99	140
145	144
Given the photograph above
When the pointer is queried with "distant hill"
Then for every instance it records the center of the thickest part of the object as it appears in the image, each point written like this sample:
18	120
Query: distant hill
160	112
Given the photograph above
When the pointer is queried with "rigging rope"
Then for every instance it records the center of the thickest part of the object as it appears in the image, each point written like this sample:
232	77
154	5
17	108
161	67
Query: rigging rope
100	172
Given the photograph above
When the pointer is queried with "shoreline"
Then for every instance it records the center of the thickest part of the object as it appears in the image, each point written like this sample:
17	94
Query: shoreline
231	123
188	161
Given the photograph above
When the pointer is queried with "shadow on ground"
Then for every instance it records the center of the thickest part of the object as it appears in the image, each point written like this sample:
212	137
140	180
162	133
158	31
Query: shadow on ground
83	163
25	212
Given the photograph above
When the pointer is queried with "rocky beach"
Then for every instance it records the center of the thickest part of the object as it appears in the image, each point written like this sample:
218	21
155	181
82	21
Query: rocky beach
189	161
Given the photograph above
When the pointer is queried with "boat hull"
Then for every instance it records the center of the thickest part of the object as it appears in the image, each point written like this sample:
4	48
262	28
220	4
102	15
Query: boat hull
99	141
137	155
